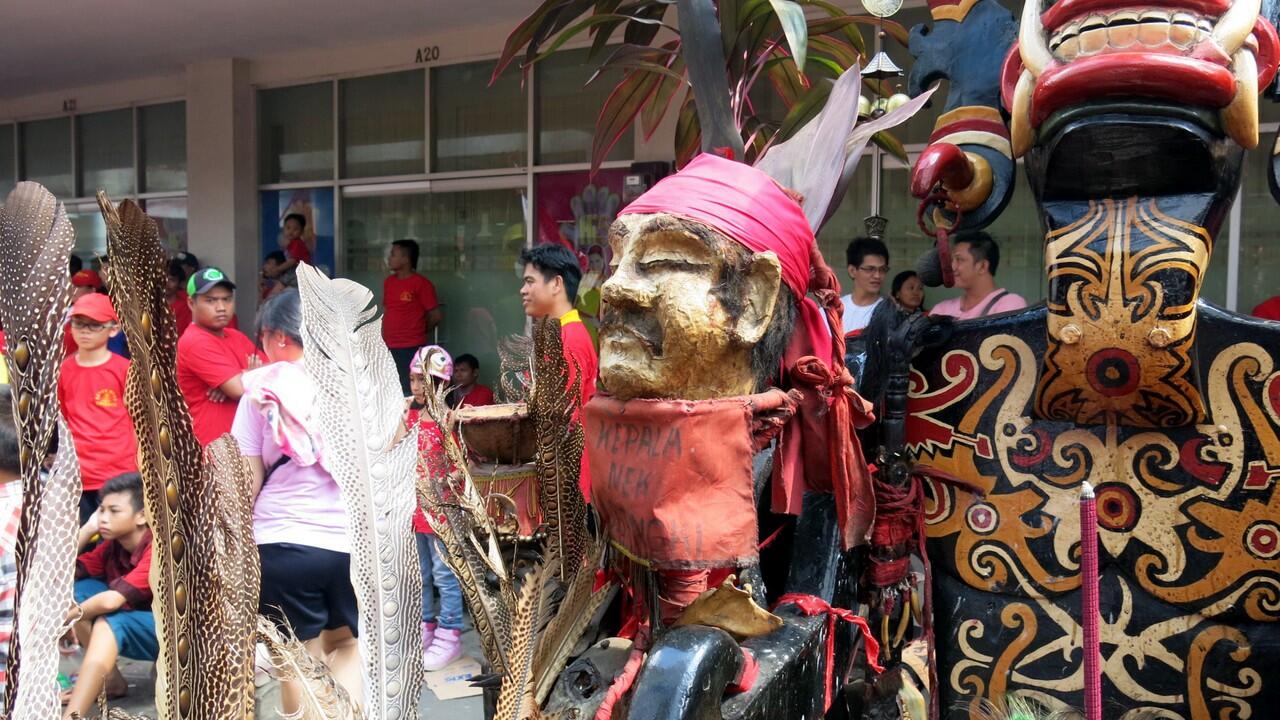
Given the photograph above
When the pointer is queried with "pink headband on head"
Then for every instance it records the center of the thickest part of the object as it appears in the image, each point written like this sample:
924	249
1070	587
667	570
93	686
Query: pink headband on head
741	202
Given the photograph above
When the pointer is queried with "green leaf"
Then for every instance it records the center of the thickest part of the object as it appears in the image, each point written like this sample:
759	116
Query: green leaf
619	112
891	145
603	33
842	53
803	111
787	81
643	33
524	33
688	131
852	34
649	67
794	27
592	21
656	108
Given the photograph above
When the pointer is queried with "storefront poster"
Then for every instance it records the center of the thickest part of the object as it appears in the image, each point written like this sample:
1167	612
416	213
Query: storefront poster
316	205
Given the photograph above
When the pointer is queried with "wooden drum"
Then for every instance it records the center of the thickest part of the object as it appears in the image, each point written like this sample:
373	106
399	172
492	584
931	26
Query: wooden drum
498	433
511	492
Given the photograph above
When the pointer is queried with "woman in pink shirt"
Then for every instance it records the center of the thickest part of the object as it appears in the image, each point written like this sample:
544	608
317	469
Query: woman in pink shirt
299	519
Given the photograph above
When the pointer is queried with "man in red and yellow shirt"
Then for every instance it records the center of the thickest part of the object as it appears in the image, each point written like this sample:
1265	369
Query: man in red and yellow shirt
212	355
410	309
548	289
91	392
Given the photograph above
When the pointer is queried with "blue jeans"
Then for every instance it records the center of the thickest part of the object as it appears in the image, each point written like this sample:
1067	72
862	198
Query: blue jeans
436	575
134	630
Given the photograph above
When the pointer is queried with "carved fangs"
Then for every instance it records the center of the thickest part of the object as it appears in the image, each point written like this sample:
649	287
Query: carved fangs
1240	118
1233	28
1021	135
1032	45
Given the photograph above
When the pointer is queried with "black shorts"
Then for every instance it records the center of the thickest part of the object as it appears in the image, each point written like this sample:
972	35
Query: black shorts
309	587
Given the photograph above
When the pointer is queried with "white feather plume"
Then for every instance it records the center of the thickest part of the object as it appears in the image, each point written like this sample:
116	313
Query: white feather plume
361	415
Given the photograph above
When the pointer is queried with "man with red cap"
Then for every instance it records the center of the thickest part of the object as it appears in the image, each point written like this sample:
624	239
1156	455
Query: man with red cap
91	392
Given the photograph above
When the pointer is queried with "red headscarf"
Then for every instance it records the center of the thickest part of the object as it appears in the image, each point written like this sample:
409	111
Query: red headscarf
817	450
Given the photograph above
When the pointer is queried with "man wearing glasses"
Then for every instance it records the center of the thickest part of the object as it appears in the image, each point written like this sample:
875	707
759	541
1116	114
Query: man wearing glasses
868	265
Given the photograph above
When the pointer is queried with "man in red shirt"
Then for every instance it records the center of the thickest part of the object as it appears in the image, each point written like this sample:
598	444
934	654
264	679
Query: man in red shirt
212	355
466	391
91	392
548	289
410	309
113	612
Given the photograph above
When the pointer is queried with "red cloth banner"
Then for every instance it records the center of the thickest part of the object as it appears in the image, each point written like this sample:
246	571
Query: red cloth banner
672	478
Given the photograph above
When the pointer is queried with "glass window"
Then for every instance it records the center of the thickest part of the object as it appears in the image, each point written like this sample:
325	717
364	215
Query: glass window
91	230
8	176
163	133
1259	259
170	215
567	108
383	124
104	142
295	133
46	154
471	244
476	126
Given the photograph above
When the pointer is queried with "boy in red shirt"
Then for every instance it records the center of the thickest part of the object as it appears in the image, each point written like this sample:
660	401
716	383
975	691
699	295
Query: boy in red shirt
549	287
466	391
212	355
91	392
113	612
410	309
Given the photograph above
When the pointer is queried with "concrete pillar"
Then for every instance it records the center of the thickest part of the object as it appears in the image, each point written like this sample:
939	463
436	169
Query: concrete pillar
222	197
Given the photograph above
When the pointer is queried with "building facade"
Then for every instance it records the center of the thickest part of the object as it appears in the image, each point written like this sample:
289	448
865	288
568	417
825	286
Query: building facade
407	138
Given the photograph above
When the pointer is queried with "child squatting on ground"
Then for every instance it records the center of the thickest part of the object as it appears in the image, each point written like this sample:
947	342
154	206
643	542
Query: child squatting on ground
113	612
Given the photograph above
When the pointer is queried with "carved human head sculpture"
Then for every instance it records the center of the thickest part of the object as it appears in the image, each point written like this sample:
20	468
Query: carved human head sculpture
691	314
702	302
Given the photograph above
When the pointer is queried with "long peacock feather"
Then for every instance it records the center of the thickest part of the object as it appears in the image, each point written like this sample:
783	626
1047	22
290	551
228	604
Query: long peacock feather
361	413
204	567
35	242
554	405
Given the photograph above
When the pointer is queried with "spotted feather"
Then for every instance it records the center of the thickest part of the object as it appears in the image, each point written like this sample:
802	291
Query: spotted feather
35	242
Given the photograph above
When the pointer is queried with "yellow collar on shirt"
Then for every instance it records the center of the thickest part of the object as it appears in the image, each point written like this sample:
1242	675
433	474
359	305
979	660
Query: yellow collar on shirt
572	316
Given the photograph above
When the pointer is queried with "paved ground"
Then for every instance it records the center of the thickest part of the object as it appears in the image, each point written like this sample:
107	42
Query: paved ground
142	691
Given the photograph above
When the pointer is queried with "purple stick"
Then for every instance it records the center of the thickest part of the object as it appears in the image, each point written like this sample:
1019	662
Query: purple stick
1089	612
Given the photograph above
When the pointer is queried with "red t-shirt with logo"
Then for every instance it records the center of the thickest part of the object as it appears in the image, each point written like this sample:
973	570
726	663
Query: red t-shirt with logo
299	251
181	312
581	354
205	361
92	401
405	303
